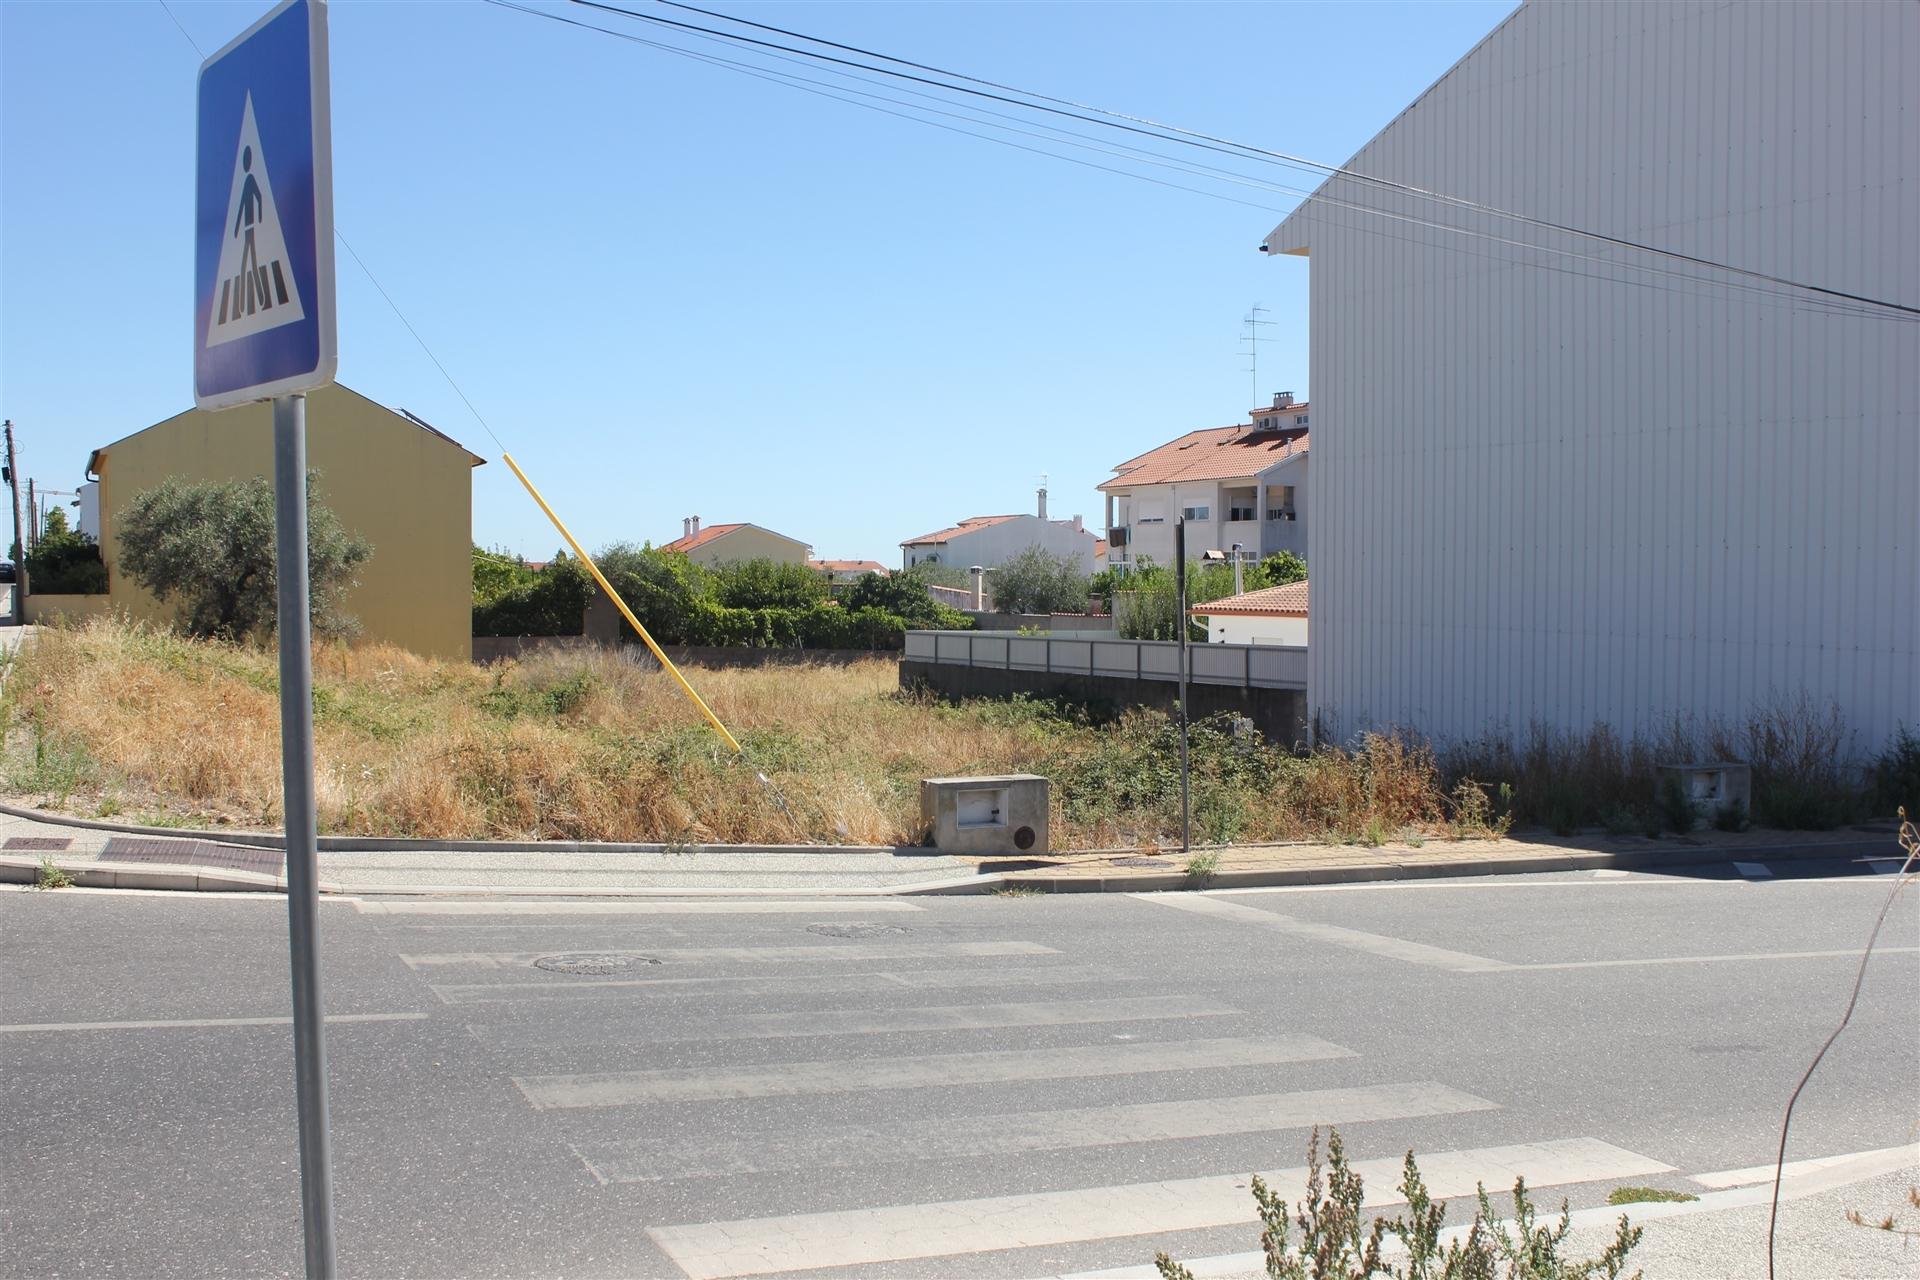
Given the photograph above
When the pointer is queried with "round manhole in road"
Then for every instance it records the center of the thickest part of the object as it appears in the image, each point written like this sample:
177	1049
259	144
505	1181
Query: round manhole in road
859	930
593	964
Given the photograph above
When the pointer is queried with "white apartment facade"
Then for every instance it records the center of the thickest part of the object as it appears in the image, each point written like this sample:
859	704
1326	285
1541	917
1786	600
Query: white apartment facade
1242	486
1564	479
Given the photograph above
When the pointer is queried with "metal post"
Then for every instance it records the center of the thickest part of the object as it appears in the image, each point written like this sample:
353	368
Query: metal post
19	547
296	773
1180	631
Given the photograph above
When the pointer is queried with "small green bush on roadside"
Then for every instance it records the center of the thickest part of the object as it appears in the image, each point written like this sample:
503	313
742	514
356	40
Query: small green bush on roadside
1335	1241
50	876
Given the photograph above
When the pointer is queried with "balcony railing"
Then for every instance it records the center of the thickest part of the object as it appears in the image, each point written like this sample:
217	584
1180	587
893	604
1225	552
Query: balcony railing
1252	666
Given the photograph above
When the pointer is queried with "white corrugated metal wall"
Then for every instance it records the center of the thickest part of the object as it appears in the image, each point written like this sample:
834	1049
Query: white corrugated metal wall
1550	489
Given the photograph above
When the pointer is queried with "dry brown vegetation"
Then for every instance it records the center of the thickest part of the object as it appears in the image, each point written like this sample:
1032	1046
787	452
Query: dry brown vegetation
113	718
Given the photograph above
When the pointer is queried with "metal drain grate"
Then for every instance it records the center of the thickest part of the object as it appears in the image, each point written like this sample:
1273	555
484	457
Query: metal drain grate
36	844
593	964
1141	862
858	930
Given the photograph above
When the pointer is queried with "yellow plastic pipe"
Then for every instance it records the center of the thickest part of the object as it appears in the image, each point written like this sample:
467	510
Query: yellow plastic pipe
625	612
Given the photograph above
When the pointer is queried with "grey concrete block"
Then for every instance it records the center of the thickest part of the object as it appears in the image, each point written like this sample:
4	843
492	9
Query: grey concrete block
1002	813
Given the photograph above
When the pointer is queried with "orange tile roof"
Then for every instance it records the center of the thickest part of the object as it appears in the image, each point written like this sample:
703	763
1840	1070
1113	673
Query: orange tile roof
847	566
1216	453
703	537
1286	601
965	526
1099	546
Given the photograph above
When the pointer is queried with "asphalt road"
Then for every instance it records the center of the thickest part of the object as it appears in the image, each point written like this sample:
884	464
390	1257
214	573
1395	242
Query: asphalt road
927	1087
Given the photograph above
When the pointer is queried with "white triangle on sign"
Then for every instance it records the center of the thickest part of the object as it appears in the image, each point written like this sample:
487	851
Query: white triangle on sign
255	289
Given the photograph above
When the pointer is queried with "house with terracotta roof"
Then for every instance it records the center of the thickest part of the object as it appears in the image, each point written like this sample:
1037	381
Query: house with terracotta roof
731	543
1243	485
991	541
1271	615
841	571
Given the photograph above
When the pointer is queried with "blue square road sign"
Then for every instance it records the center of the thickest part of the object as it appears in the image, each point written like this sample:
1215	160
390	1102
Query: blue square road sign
263	305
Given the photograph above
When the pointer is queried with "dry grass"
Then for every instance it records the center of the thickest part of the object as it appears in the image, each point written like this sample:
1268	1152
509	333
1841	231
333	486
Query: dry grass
116	718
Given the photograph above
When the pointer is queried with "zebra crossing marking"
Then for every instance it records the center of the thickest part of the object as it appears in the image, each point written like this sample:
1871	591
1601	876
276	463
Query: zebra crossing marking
649	1160
862	1022
787	1079
897	1233
746	955
464	993
1353	939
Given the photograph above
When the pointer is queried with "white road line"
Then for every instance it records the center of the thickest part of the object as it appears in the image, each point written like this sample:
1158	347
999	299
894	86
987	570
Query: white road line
896	1233
705	906
1353	939
868	1022
787	1079
160	1024
779	984
1754	870
1741	958
1908	1154
743	955
649	1160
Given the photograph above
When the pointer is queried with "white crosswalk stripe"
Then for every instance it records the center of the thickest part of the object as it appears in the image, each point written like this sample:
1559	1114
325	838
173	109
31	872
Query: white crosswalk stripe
679	1081
897	1233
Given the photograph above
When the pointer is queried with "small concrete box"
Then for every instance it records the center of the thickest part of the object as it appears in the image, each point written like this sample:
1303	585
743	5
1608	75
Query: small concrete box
1714	787
1006	813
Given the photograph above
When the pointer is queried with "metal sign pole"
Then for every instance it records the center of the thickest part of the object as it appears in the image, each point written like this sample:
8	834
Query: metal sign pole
1180	630
296	772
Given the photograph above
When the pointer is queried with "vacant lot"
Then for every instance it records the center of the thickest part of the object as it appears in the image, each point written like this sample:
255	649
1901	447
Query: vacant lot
116	719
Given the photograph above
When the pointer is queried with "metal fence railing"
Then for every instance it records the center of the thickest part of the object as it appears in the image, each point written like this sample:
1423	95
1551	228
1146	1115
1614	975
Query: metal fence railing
1252	666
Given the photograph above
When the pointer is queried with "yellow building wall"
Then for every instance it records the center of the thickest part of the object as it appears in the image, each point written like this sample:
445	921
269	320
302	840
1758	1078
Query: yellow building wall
749	543
406	491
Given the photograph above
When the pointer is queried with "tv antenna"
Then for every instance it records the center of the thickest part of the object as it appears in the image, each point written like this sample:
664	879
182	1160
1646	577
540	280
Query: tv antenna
1253	339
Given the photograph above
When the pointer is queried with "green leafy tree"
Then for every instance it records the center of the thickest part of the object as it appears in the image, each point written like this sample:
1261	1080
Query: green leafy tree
208	548
550	602
663	588
66	562
1280	568
768	584
904	595
1037	581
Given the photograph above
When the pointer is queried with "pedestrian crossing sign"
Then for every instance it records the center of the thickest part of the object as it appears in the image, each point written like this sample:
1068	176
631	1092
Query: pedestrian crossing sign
263	227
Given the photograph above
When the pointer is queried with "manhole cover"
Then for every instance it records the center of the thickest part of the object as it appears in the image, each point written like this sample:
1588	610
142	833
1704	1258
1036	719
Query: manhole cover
856	930
593	964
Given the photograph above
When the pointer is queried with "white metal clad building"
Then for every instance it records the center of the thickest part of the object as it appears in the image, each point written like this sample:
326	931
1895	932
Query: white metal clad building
1600	483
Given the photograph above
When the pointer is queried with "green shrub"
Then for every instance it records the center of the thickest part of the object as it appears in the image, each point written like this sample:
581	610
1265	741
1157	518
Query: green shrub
65	562
1335	1241
768	584
209	547
1037	581
1896	775
550	602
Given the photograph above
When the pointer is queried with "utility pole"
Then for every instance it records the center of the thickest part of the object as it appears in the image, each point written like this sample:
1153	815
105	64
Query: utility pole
33	517
19	555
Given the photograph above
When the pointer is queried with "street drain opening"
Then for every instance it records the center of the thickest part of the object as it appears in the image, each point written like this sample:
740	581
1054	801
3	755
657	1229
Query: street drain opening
859	930
593	965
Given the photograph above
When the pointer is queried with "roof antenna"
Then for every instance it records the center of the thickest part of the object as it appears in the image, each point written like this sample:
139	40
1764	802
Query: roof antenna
1252	339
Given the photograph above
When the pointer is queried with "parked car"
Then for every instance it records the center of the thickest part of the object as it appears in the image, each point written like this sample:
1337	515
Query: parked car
6	571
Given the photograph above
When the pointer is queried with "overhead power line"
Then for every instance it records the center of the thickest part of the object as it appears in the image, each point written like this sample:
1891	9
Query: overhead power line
1131	152
1033	101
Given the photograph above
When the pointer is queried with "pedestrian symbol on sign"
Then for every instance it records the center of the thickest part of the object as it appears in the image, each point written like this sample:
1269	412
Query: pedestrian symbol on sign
256	289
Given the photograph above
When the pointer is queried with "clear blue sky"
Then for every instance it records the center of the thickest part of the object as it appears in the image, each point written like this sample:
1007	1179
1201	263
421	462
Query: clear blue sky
673	289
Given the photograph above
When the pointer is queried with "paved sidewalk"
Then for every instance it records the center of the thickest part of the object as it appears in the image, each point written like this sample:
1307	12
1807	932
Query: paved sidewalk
212	860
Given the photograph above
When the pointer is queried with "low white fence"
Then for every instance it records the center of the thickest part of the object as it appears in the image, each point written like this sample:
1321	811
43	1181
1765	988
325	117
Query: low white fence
1251	666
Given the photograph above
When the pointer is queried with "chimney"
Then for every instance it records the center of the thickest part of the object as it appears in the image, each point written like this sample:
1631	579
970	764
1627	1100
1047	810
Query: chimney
686	527
1076	524
1283	399
1043	502
693	526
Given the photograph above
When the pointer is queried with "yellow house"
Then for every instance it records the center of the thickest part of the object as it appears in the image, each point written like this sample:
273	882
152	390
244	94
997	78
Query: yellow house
392	479
718	544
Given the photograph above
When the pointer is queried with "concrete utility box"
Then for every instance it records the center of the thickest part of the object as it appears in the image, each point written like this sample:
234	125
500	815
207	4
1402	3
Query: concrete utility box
1713	788
1002	814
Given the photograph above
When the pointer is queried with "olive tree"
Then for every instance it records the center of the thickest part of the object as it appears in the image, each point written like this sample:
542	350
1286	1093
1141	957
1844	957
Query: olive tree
208	547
